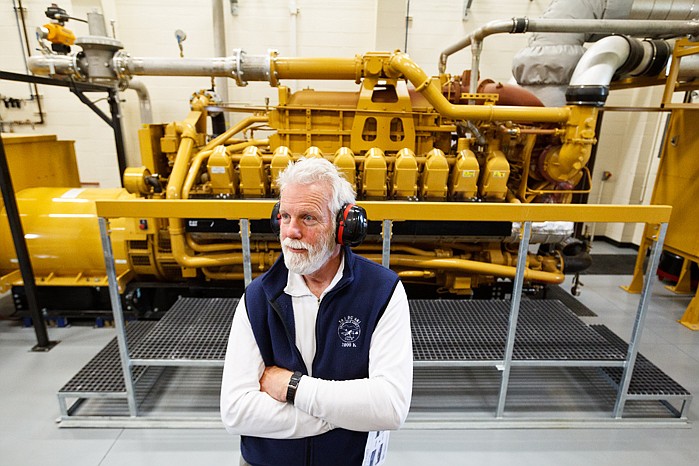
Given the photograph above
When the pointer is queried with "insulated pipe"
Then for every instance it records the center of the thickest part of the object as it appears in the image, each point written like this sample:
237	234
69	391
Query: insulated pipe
645	28
598	65
143	101
614	56
663	9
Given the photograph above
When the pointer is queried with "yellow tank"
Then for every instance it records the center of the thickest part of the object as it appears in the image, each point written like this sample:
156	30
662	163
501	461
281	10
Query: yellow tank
62	235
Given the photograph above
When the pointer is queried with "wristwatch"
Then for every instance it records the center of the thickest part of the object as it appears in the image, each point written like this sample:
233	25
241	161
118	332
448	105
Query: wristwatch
293	385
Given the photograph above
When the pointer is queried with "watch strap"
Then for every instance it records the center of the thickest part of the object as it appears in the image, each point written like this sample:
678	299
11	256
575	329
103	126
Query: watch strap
293	385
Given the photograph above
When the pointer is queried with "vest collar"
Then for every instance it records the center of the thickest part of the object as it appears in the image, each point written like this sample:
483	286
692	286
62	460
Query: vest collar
274	281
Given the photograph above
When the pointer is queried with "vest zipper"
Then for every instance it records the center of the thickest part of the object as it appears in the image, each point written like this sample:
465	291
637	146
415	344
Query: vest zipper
272	302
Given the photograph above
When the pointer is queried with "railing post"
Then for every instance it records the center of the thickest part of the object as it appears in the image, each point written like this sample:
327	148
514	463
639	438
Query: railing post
514	315
118	314
247	257
386	249
637	331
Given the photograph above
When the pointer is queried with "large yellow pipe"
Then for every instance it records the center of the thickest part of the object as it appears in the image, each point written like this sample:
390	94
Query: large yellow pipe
240	126
183	258
317	68
431	90
464	265
239	146
193	172
179	168
399	64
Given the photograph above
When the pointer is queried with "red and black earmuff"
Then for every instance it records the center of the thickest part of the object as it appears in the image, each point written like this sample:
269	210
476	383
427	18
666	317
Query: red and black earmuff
351	221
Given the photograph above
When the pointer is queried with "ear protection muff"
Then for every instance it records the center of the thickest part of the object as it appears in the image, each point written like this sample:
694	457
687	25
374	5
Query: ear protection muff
351	225
275	220
351	221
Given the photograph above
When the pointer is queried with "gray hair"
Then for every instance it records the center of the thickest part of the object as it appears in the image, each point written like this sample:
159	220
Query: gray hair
318	170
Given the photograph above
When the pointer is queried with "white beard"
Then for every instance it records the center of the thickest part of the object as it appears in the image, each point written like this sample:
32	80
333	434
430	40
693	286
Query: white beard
314	259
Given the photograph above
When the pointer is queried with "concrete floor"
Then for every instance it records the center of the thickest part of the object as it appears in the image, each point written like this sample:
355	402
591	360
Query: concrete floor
29	381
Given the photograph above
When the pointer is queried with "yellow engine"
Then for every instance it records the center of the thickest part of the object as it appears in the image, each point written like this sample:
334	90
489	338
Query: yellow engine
402	136
390	141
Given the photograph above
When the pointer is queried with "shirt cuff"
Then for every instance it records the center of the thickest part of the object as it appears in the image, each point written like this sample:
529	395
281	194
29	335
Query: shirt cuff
305	392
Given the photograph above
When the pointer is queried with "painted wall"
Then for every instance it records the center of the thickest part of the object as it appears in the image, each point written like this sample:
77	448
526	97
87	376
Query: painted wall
306	28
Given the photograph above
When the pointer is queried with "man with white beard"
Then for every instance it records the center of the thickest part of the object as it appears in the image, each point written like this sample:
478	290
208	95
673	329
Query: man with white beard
319	360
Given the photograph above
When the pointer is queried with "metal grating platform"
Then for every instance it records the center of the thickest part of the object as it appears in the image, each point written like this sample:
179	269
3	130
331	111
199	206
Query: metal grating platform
568	365
103	373
556	292
648	379
460	330
193	329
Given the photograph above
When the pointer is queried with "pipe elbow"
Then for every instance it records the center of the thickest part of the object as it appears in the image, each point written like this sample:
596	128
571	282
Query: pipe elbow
187	130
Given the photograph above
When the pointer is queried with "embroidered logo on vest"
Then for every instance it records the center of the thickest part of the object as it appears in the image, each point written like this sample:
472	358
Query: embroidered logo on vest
348	330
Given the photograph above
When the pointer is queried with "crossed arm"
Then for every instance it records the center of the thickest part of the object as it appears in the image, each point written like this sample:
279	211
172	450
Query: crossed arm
253	397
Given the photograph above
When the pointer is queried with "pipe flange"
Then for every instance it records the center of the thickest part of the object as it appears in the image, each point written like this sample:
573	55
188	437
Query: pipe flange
119	63
75	68
662	51
588	95
634	58
239	60
99	42
271	72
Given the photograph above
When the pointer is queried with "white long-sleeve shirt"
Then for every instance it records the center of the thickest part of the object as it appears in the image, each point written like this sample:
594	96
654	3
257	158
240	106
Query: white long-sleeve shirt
380	402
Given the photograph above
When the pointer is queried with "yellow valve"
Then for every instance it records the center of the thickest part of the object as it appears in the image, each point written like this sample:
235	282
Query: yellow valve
435	176
404	179
57	34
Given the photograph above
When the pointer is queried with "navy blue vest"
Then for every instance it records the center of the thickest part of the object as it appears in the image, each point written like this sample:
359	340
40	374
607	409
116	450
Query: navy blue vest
347	317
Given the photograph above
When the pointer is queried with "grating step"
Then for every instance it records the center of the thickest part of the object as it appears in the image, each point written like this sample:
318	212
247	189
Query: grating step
472	330
103	373
193	329
647	379
556	292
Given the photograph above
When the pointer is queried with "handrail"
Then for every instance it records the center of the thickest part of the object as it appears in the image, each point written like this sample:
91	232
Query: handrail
392	210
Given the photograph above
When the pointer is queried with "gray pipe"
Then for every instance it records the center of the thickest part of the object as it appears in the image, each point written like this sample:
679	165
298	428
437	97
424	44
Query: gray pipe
645	28
663	9
219	45
64	65
143	101
240	66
